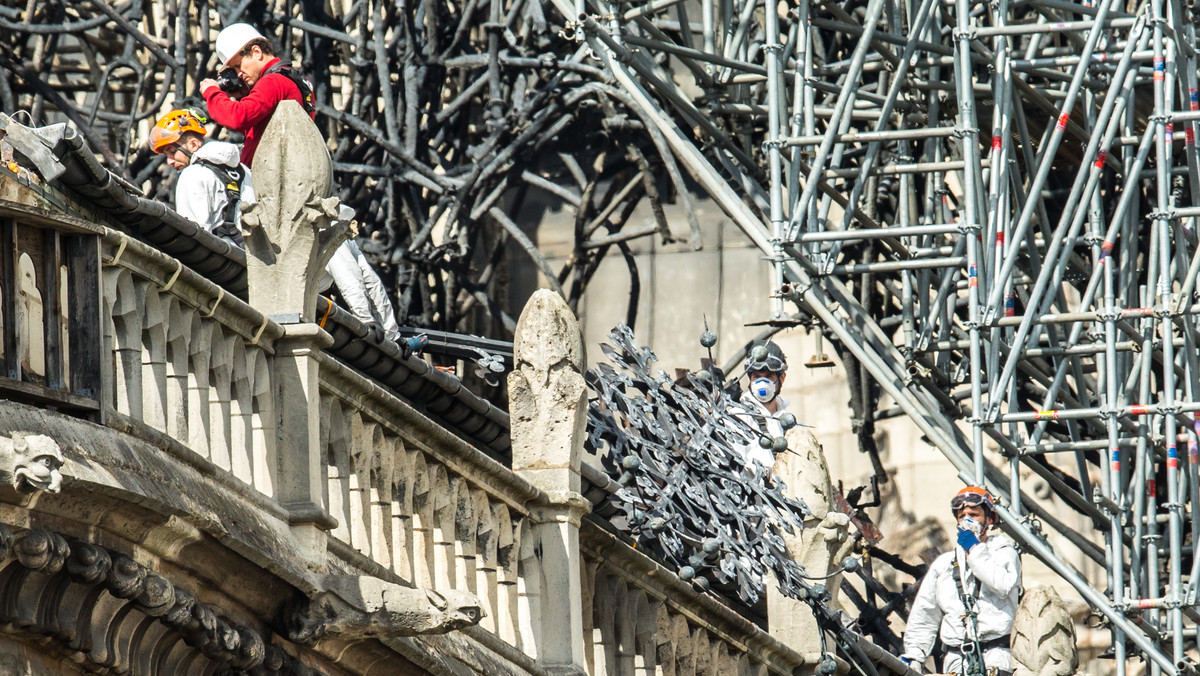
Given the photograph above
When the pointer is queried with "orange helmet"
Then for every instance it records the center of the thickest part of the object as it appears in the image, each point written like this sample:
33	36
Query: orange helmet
972	496
171	127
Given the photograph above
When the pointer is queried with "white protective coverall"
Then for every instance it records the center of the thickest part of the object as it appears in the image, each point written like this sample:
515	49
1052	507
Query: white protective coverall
993	576
759	413
361	288
200	194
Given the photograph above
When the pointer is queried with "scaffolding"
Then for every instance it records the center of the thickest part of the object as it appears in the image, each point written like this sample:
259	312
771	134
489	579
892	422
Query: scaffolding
1031	289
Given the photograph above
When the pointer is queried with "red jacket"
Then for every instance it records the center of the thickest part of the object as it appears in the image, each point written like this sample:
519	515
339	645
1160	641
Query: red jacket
251	114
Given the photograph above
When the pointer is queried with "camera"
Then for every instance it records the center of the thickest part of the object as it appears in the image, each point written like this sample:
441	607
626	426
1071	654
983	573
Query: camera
230	83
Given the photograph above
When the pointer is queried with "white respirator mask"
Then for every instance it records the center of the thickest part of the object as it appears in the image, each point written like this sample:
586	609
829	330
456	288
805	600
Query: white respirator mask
763	389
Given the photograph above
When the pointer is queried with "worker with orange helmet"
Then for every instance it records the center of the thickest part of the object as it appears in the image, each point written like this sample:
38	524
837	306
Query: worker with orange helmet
968	596
213	184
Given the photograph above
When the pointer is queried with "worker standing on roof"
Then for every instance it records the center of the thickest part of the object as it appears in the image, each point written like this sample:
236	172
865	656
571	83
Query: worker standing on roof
359	285
969	595
264	82
766	369
213	185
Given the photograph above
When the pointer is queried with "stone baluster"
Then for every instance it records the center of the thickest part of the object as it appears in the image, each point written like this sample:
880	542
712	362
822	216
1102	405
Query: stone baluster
199	374
220	395
508	547
335	439
645	614
126	341
423	521
403	485
548	414
178	336
702	652
154	361
380	495
241	413
682	647
466	529
263	452
485	571
358	483
291	235
444	563
605	611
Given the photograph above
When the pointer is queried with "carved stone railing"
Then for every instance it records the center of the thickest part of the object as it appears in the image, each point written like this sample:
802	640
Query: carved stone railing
419	502
346	480
188	360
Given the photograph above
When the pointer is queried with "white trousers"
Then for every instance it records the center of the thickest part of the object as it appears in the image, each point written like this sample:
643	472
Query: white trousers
993	658
361	288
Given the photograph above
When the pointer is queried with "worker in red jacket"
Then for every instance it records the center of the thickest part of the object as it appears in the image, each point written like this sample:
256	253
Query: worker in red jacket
253	74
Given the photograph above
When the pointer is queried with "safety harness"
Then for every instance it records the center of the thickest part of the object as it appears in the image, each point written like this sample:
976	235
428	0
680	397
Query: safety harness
232	179
307	94
971	648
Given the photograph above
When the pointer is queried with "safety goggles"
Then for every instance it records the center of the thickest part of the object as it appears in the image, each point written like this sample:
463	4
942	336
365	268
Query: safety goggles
964	500
771	363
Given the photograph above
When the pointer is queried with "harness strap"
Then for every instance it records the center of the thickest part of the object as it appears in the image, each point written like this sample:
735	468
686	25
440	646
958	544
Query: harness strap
307	93
232	179
974	651
998	642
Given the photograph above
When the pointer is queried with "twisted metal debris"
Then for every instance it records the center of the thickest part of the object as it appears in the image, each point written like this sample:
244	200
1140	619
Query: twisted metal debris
689	493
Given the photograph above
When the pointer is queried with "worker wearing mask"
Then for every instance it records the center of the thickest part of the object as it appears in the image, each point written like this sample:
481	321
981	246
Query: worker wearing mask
969	595
766	369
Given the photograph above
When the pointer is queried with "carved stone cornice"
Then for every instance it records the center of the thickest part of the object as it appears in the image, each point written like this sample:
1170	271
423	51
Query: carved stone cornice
89	601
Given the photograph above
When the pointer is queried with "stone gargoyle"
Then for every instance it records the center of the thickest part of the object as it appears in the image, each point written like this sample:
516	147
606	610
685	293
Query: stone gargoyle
33	461
361	607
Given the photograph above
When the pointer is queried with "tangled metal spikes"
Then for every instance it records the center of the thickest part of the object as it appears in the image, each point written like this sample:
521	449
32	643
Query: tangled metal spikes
447	121
689	493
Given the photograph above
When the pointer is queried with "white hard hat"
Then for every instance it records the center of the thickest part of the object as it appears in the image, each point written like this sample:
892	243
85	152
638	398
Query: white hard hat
233	38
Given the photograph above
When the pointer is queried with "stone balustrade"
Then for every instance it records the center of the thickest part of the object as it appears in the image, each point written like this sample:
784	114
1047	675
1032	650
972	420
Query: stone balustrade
421	503
188	360
187	368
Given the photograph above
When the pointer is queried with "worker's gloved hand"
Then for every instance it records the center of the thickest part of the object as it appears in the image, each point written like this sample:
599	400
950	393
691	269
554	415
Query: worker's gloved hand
914	664
968	533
